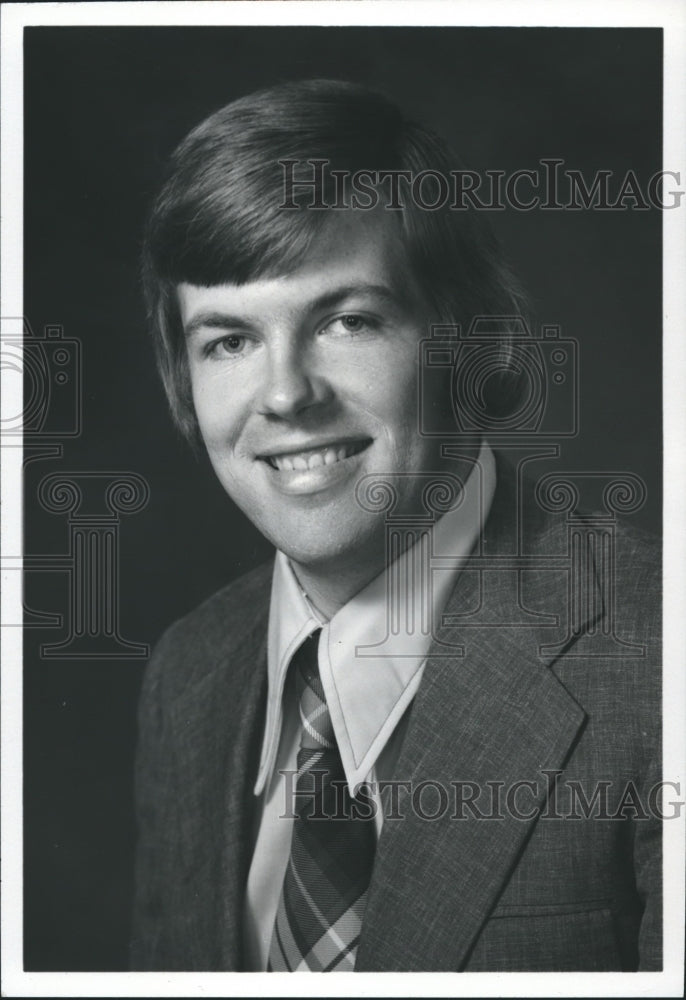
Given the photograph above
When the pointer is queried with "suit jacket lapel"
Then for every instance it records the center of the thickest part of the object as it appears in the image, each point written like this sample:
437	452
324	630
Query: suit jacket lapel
490	717
240	802
496	714
219	721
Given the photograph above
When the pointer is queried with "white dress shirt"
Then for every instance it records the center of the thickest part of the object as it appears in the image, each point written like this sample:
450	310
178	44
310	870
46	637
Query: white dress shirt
367	694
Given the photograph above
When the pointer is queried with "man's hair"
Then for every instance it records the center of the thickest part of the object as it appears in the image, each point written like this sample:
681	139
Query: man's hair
219	216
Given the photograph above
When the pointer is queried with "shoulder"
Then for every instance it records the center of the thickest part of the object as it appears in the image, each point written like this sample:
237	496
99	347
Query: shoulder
637	590
547	518
639	552
599	573
615	669
193	646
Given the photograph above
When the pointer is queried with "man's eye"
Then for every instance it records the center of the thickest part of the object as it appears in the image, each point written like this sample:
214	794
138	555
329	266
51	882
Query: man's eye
232	344
350	323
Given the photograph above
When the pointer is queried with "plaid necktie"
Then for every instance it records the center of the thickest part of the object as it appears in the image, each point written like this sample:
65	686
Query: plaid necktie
322	902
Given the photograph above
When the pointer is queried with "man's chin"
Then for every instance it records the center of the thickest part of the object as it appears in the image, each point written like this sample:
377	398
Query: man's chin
328	554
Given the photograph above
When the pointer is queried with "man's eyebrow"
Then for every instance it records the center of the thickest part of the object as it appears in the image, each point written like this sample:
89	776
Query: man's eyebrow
213	319
218	320
390	296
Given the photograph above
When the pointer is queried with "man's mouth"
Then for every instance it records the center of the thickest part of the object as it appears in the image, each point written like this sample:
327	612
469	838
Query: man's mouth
312	458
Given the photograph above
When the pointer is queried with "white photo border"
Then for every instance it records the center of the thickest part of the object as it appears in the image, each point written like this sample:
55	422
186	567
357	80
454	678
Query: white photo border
671	16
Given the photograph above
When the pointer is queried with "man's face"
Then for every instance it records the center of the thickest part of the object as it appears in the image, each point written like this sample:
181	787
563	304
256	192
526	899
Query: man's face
303	384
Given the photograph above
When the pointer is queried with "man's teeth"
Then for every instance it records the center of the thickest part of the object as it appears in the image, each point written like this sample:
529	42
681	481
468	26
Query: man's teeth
313	459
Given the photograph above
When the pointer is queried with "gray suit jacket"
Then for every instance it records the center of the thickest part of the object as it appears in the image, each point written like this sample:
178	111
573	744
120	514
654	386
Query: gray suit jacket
507	697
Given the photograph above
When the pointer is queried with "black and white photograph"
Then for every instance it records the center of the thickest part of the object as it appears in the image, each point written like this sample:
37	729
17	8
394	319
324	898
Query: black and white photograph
343	548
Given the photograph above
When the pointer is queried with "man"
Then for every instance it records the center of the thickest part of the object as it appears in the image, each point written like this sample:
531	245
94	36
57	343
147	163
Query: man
395	747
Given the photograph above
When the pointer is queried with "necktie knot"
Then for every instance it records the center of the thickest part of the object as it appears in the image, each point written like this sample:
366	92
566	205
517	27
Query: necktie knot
317	729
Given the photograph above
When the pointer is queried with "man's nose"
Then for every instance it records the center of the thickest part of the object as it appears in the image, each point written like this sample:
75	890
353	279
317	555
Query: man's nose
291	383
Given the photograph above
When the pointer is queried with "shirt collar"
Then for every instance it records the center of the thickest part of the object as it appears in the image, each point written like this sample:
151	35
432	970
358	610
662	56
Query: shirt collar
291	619
371	668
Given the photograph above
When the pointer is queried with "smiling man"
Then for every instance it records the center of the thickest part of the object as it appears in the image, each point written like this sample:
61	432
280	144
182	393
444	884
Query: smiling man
304	383
322	742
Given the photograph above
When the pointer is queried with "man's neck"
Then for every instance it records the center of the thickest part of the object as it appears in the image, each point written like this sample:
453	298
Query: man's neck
329	588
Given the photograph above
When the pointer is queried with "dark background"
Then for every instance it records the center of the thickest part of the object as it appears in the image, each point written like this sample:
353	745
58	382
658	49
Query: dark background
103	108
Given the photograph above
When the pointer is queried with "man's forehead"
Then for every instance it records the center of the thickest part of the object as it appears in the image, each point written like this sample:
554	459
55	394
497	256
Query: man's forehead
354	253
